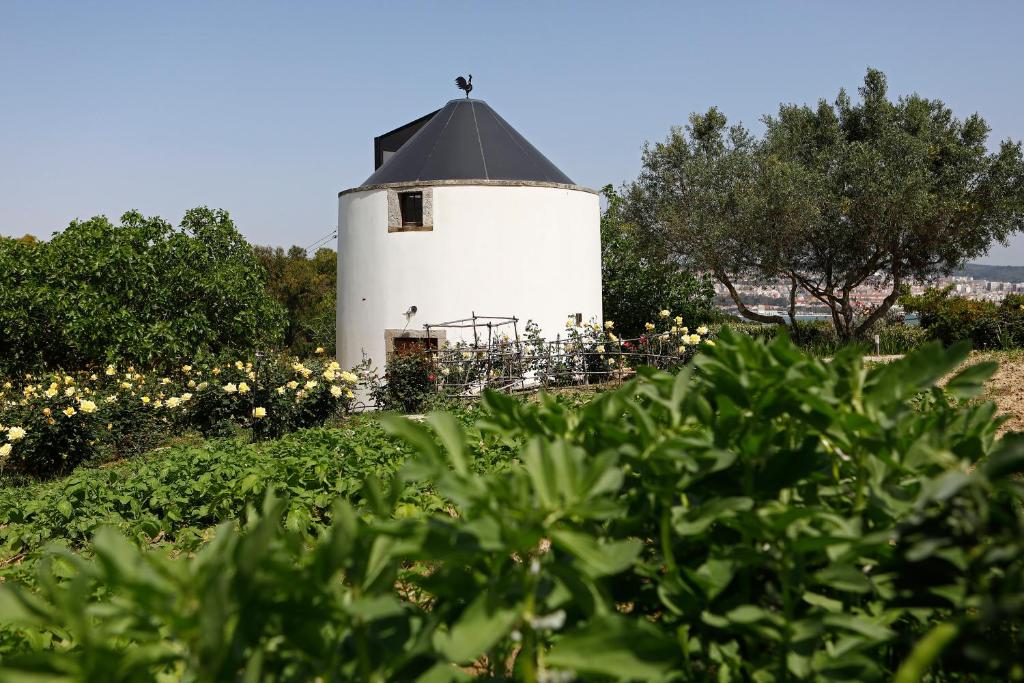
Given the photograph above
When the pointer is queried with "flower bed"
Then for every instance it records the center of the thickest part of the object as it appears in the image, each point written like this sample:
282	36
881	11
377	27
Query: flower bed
53	422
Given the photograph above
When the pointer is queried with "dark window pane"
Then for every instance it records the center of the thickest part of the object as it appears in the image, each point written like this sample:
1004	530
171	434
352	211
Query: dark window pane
411	206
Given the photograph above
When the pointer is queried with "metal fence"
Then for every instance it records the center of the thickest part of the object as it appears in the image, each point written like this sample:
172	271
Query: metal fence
502	357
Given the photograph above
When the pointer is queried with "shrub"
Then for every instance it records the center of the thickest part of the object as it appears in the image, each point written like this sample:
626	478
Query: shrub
819	337
139	292
407	383
764	516
306	287
638	280
73	417
986	325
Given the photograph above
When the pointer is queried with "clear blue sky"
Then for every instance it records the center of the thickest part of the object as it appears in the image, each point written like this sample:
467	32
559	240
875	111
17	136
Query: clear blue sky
269	109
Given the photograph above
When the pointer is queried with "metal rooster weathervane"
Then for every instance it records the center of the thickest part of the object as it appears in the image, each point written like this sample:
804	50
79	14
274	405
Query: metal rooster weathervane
463	84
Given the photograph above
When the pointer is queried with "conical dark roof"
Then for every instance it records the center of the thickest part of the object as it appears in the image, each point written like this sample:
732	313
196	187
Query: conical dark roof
467	140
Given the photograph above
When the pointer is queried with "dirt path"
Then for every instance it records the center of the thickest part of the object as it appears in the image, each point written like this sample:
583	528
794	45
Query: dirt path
1006	387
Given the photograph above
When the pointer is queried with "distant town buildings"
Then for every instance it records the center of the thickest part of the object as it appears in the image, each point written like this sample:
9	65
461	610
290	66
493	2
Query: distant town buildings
773	297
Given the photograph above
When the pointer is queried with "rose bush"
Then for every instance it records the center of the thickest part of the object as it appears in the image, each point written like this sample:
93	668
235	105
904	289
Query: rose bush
56	421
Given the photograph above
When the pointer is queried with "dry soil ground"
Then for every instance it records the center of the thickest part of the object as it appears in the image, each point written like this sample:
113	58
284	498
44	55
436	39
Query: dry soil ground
1006	387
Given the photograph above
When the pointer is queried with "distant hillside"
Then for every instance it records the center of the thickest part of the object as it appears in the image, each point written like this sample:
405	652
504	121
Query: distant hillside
994	273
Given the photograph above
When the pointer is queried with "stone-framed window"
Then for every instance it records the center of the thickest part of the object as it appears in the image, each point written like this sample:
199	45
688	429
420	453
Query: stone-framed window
408	341
410	209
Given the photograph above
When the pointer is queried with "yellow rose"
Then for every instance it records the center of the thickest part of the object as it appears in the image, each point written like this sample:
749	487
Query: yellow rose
202	385
600	348
329	374
239	365
648	326
186	396
334	365
110	371
709	342
173	402
69	411
230	388
293	384
703	329
87	406
15	434
319	349
259	412
664	313
312	384
243	388
679	320
349	377
336	391
70	391
609	325
186	368
51	392
145	399
5	450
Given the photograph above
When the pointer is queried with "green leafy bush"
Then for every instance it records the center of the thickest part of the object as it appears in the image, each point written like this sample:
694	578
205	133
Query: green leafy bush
819	337
986	325
138	292
762	516
638	279
408	382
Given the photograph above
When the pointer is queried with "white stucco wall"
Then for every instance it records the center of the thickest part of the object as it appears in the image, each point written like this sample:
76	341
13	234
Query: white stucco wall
525	251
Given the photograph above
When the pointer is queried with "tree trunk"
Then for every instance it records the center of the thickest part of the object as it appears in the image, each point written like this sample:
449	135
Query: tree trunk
792	309
887	303
744	311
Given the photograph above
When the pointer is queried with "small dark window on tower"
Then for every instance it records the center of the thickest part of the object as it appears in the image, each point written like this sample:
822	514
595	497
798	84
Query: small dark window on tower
411	206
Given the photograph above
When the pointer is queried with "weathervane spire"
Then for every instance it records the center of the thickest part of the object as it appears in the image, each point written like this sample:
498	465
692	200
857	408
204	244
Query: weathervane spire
463	84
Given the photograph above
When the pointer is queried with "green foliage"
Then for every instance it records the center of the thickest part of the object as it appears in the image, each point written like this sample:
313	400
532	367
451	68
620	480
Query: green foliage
763	516
140	292
819	337
176	494
986	325
408	382
638	279
306	288
833	196
70	418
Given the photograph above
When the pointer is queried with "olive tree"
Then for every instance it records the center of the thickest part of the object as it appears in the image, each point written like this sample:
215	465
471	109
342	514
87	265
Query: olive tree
832	197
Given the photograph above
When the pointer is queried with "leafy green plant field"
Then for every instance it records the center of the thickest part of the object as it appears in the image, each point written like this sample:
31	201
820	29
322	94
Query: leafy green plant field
762	516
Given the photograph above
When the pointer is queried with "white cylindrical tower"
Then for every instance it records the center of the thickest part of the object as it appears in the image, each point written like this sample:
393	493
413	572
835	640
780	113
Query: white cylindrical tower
465	217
